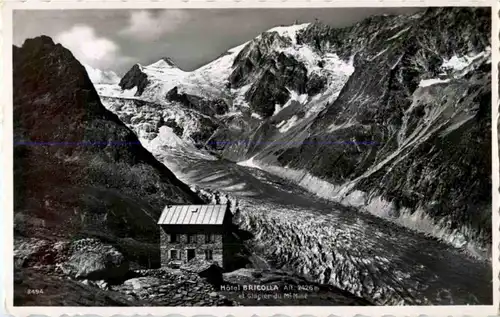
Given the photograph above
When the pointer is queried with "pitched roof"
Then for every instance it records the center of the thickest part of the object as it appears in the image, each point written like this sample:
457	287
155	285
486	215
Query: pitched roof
193	215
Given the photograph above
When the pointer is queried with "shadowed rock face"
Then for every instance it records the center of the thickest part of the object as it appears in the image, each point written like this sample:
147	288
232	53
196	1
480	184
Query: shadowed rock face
169	61
78	170
270	74
204	106
434	150
135	78
315	85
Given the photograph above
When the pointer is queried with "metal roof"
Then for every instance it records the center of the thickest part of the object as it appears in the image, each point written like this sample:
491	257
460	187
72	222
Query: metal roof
193	215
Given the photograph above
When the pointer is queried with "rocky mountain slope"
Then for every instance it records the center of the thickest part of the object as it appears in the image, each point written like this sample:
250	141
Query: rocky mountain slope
425	98
389	115
78	170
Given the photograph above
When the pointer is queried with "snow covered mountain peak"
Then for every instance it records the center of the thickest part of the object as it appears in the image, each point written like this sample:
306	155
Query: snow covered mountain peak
164	62
289	31
98	76
162	66
153	81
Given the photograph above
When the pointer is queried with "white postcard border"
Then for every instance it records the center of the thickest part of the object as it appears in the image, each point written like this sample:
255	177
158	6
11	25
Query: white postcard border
6	149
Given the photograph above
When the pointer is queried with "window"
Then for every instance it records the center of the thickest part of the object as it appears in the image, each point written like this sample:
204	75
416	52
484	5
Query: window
209	238
174	238
174	255
191	238
190	254
208	255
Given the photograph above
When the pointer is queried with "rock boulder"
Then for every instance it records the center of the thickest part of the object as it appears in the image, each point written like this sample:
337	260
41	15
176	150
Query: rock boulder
90	259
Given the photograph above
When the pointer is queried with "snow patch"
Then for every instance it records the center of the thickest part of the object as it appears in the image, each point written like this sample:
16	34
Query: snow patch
162	77
116	91
338	72
458	67
302	99
234	187
379	54
166	137
432	81
210	80
239	96
395	36
249	163
160	65
256	116
456	63
129	93
278	108
238	49
290	123
344	125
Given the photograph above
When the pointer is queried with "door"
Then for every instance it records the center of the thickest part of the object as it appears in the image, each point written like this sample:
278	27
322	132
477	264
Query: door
190	254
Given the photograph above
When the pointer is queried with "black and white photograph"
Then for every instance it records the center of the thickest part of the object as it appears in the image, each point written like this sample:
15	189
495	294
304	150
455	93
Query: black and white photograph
336	156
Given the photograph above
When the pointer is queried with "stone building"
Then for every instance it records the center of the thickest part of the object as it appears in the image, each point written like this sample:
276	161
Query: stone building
194	232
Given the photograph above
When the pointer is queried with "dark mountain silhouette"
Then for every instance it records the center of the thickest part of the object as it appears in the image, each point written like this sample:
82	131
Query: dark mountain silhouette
78	169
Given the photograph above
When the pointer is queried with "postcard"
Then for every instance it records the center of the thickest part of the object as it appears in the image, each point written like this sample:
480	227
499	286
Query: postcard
255	158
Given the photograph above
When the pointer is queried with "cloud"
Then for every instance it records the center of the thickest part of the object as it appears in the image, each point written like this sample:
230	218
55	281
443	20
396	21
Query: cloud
89	48
145	26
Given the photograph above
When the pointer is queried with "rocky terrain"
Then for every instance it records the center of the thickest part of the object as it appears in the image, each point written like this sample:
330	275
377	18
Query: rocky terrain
95	274
388	115
79	171
87	272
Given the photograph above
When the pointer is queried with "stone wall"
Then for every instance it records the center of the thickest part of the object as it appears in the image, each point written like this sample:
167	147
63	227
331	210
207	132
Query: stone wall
183	244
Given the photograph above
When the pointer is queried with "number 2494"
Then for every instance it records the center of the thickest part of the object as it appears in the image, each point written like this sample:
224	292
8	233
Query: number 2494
36	291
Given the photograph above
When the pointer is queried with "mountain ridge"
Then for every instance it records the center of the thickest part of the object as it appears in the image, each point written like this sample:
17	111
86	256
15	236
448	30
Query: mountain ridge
78	169
376	82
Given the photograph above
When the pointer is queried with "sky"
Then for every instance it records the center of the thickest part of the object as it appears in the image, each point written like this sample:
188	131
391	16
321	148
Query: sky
116	39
